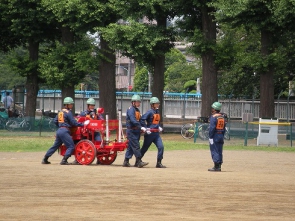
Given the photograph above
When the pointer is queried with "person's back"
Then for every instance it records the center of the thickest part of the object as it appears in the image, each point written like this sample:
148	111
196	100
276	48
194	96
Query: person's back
7	101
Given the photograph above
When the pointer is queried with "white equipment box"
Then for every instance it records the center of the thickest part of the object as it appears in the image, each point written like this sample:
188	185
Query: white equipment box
268	134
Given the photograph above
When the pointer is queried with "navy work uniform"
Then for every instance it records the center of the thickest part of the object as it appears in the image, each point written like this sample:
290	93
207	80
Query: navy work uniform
216	132
64	120
151	120
133	135
133	132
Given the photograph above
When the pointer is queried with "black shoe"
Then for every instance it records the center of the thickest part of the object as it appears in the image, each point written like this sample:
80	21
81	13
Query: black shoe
64	161
45	161
98	162
216	168
126	163
75	162
142	164
160	165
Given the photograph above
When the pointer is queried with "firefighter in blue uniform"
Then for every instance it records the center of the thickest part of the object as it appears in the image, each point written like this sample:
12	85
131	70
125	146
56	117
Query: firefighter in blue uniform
151	120
133	133
64	120
216	136
92	114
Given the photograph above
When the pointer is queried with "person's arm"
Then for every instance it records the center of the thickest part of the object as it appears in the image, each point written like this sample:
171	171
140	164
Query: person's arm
143	119
212	127
133	121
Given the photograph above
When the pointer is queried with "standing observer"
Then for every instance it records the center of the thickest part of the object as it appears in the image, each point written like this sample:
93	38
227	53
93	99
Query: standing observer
64	120
216	136
151	120
7	101
133	133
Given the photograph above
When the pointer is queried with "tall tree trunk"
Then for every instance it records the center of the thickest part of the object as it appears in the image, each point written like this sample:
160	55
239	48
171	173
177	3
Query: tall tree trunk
158	82
159	69
209	70
68	90
107	80
267	106
32	80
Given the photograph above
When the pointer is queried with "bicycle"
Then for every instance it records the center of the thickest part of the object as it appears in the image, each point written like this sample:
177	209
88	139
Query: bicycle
46	121
23	124
188	130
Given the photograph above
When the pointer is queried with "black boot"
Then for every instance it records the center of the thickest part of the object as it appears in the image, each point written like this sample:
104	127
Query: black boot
216	168
75	162
45	160
140	163
159	164
64	161
137	161
126	163
98	162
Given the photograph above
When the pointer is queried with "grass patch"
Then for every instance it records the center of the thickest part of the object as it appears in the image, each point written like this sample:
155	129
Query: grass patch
33	142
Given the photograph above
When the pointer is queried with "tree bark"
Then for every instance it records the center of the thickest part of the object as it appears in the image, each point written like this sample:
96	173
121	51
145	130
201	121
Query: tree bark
267	106
32	81
159	69
209	70
107	80
68	90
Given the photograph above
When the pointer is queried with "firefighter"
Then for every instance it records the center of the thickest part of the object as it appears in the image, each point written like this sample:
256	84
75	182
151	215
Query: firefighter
151	120
216	136
92	114
64	120
133	133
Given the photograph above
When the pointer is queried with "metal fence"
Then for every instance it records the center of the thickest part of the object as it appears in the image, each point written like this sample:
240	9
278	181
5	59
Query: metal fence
175	105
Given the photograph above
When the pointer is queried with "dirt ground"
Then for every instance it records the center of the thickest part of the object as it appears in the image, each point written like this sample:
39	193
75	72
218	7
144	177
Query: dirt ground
253	185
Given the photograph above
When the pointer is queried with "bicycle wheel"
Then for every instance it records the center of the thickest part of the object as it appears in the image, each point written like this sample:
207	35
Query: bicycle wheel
187	131
11	125
226	134
25	125
203	131
52	125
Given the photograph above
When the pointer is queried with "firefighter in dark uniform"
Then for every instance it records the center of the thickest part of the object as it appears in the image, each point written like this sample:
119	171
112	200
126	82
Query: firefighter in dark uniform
151	120
216	136
64	120
133	133
92	114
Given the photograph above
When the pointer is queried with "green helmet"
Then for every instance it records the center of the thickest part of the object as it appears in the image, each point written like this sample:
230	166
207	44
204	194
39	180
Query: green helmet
154	100
216	106
68	100
135	97
91	101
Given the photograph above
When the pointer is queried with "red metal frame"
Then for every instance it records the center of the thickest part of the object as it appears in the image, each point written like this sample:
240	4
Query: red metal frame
86	148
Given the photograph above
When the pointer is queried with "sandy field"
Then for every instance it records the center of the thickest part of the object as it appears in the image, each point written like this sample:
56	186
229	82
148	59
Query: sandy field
253	185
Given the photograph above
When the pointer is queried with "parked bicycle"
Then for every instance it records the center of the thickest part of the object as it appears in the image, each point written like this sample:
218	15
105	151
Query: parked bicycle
188	130
46	122
18	123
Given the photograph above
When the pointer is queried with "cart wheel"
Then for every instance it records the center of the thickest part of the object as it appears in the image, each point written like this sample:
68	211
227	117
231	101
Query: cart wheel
85	152
106	159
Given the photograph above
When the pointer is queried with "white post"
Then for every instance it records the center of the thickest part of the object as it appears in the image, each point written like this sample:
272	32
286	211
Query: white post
107	129
120	127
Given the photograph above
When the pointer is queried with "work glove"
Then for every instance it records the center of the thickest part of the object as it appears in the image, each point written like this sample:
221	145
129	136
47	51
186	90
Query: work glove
211	141
160	129
148	131
86	122
143	129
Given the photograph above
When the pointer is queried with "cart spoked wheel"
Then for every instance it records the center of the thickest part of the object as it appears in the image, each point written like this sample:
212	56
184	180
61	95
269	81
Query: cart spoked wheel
85	152
106	158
